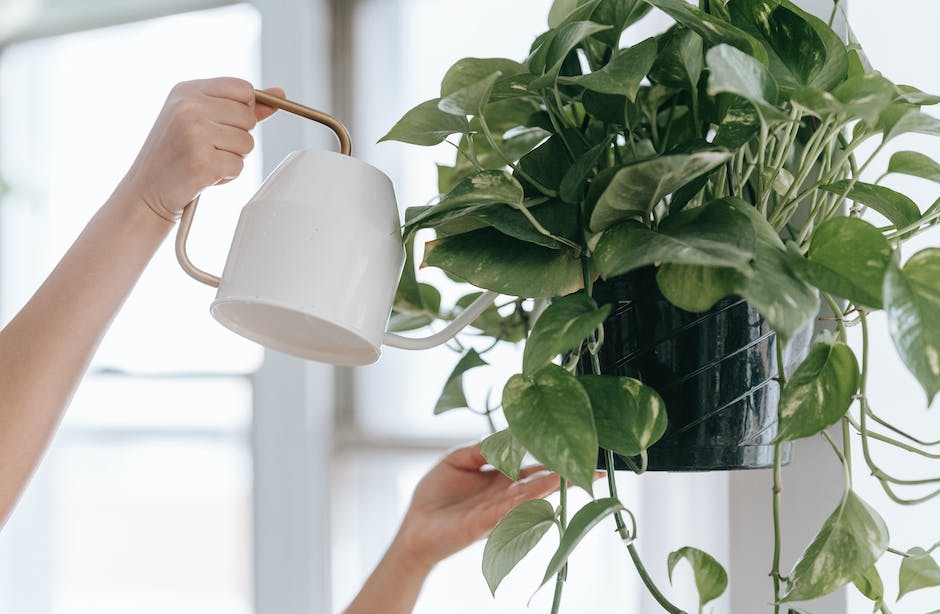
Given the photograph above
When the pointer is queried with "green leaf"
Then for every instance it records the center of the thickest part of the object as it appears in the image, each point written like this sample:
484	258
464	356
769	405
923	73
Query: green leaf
898	119
452	397
740	124
918	570
636	188
561	327
711	579
912	304
869	584
469	71
471	99
732	71
629	415
560	10
715	31
680	60
426	124
512	328
560	219
695	288
866	96
848	257
819	393
514	537
571	189
849	542
559	45
619	14
898	208
915	164
581	523
549	413
504	452
549	162
713	235
772	287
483	189
913	95
802	49
622	75
795	50
490	260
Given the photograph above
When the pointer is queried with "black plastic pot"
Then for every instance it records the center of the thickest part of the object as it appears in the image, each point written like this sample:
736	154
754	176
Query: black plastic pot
714	370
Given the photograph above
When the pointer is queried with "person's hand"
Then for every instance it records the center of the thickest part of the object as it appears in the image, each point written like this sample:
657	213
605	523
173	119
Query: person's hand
199	139
459	502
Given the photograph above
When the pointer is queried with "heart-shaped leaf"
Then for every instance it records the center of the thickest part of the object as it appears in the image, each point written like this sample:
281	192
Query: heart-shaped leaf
898	208
629	415
918	570
490	260
549	413
849	542
514	537
561	327
622	75
695	288
912	303
869	584
636	188
581	523
819	392
483	189
848	257
711	579
731	71
619	14
452	397
898	119
427	125
714	235
915	164
802	49
680	60
470	99
714	30
556	48
468	71
504	452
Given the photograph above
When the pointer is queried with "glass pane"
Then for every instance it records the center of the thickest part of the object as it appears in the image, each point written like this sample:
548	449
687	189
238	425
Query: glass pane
75	112
894	393
143	503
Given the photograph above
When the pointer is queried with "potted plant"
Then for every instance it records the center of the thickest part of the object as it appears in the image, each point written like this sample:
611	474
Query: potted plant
678	207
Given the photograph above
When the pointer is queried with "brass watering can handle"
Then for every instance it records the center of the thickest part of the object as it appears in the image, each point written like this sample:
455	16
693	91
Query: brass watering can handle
186	221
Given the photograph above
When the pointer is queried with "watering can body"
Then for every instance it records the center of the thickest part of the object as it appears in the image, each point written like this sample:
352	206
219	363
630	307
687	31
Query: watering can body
316	258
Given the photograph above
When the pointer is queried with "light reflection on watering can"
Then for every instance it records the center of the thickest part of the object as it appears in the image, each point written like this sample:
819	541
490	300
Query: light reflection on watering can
316	258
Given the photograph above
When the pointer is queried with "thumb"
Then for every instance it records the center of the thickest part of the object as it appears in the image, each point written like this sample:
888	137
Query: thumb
263	111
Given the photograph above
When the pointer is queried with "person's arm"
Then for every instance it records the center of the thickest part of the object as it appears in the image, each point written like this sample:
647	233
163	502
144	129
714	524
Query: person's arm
454	505
198	140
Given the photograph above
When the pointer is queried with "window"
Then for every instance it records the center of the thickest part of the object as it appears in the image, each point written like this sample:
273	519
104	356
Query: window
144	502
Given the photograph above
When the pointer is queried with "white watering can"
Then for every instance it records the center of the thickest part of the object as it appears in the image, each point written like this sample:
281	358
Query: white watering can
316	258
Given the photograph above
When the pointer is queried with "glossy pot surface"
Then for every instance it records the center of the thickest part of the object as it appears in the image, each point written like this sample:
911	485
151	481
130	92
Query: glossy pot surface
715	371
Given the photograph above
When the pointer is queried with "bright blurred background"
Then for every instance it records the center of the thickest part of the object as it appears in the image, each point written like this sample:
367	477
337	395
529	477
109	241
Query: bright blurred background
197	473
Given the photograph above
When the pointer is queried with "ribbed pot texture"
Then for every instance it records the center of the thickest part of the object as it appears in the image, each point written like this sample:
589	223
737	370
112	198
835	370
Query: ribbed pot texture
715	371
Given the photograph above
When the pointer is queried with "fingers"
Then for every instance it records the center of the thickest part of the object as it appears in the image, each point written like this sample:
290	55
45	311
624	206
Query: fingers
467	458
263	111
233	140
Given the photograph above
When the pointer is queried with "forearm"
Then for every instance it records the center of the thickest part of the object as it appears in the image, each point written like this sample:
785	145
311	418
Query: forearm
46	348
394	585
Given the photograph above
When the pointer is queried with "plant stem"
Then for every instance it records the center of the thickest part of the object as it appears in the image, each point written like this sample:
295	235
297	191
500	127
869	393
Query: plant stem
612	482
563	521
778	488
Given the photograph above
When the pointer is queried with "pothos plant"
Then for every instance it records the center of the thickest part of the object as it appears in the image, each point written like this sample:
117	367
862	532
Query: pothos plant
722	152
